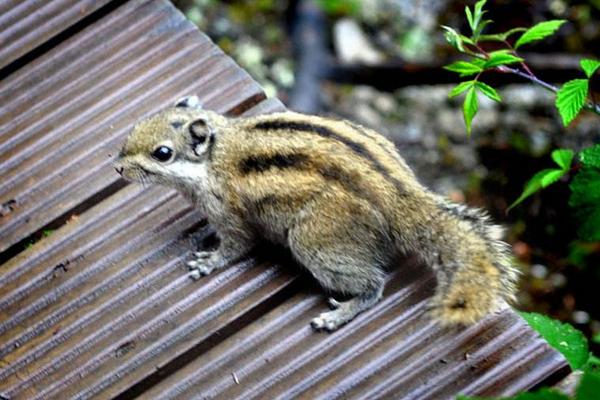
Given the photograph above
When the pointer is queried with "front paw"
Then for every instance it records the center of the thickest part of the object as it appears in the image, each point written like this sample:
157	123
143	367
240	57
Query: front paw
329	321
204	263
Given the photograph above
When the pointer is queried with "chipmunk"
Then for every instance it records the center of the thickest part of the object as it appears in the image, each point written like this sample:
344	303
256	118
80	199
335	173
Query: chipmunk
338	195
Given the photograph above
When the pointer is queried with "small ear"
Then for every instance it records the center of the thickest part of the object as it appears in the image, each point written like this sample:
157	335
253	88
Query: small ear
199	128
202	136
189	102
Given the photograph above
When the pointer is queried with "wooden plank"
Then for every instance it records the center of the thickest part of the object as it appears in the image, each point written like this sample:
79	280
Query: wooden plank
26	24
64	115
391	351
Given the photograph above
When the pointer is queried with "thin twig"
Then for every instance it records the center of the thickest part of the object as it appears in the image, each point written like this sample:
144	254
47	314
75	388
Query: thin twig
532	78
503	68
514	51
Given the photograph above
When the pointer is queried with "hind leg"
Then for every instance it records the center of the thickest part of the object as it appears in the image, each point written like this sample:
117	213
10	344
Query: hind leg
343	245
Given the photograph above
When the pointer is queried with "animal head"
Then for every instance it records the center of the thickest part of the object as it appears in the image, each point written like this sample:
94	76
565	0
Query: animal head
172	146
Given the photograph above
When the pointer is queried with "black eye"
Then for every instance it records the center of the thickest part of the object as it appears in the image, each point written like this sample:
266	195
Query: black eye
162	153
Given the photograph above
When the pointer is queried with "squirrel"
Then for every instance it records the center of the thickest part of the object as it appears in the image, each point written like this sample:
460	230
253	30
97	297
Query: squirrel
338	195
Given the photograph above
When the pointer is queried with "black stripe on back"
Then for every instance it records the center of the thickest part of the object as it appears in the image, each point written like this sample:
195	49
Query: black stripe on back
361	130
261	163
357	148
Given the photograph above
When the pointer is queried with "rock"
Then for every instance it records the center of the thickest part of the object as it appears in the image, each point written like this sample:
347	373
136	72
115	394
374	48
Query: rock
352	46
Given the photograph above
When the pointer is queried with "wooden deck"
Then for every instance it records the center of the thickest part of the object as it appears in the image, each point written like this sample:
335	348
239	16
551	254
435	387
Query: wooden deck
101	306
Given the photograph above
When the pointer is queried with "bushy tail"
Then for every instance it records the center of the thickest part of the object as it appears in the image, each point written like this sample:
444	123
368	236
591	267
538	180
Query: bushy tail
475	272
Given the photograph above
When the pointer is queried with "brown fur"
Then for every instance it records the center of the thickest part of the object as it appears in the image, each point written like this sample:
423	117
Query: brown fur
338	195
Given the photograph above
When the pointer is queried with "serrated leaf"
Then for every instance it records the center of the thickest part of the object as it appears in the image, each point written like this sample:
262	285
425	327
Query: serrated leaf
589	387
488	91
585	202
501	58
589	66
539	31
539	181
590	156
464	68
461	87
470	108
563	157
567	340
570	99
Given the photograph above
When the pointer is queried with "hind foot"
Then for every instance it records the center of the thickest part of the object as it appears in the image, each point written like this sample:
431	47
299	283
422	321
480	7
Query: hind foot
344	311
203	264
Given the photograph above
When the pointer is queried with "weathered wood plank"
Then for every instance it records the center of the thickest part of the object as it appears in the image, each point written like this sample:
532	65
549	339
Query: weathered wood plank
64	115
26	24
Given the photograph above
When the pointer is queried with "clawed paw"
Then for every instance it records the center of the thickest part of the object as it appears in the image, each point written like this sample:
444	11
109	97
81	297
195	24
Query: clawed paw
329	321
202	265
203	255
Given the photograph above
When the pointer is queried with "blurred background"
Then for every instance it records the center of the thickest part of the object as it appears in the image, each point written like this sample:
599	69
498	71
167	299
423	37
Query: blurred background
379	62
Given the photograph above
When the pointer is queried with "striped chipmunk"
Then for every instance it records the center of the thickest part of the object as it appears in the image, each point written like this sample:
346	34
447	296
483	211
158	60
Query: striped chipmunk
336	194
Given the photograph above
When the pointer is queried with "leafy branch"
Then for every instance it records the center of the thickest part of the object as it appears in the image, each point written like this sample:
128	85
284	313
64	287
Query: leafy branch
571	98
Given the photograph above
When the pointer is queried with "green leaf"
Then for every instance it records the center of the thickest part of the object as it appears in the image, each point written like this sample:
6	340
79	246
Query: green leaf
488	91
474	18
542	394
470	18
542	179
501	58
454	38
546	177
570	342
479	9
570	99
589	66
590	156
563	157
500	37
480	27
480	62
461	87
463	68
585	202
539	31
470	108
596	338
589	387
593	364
